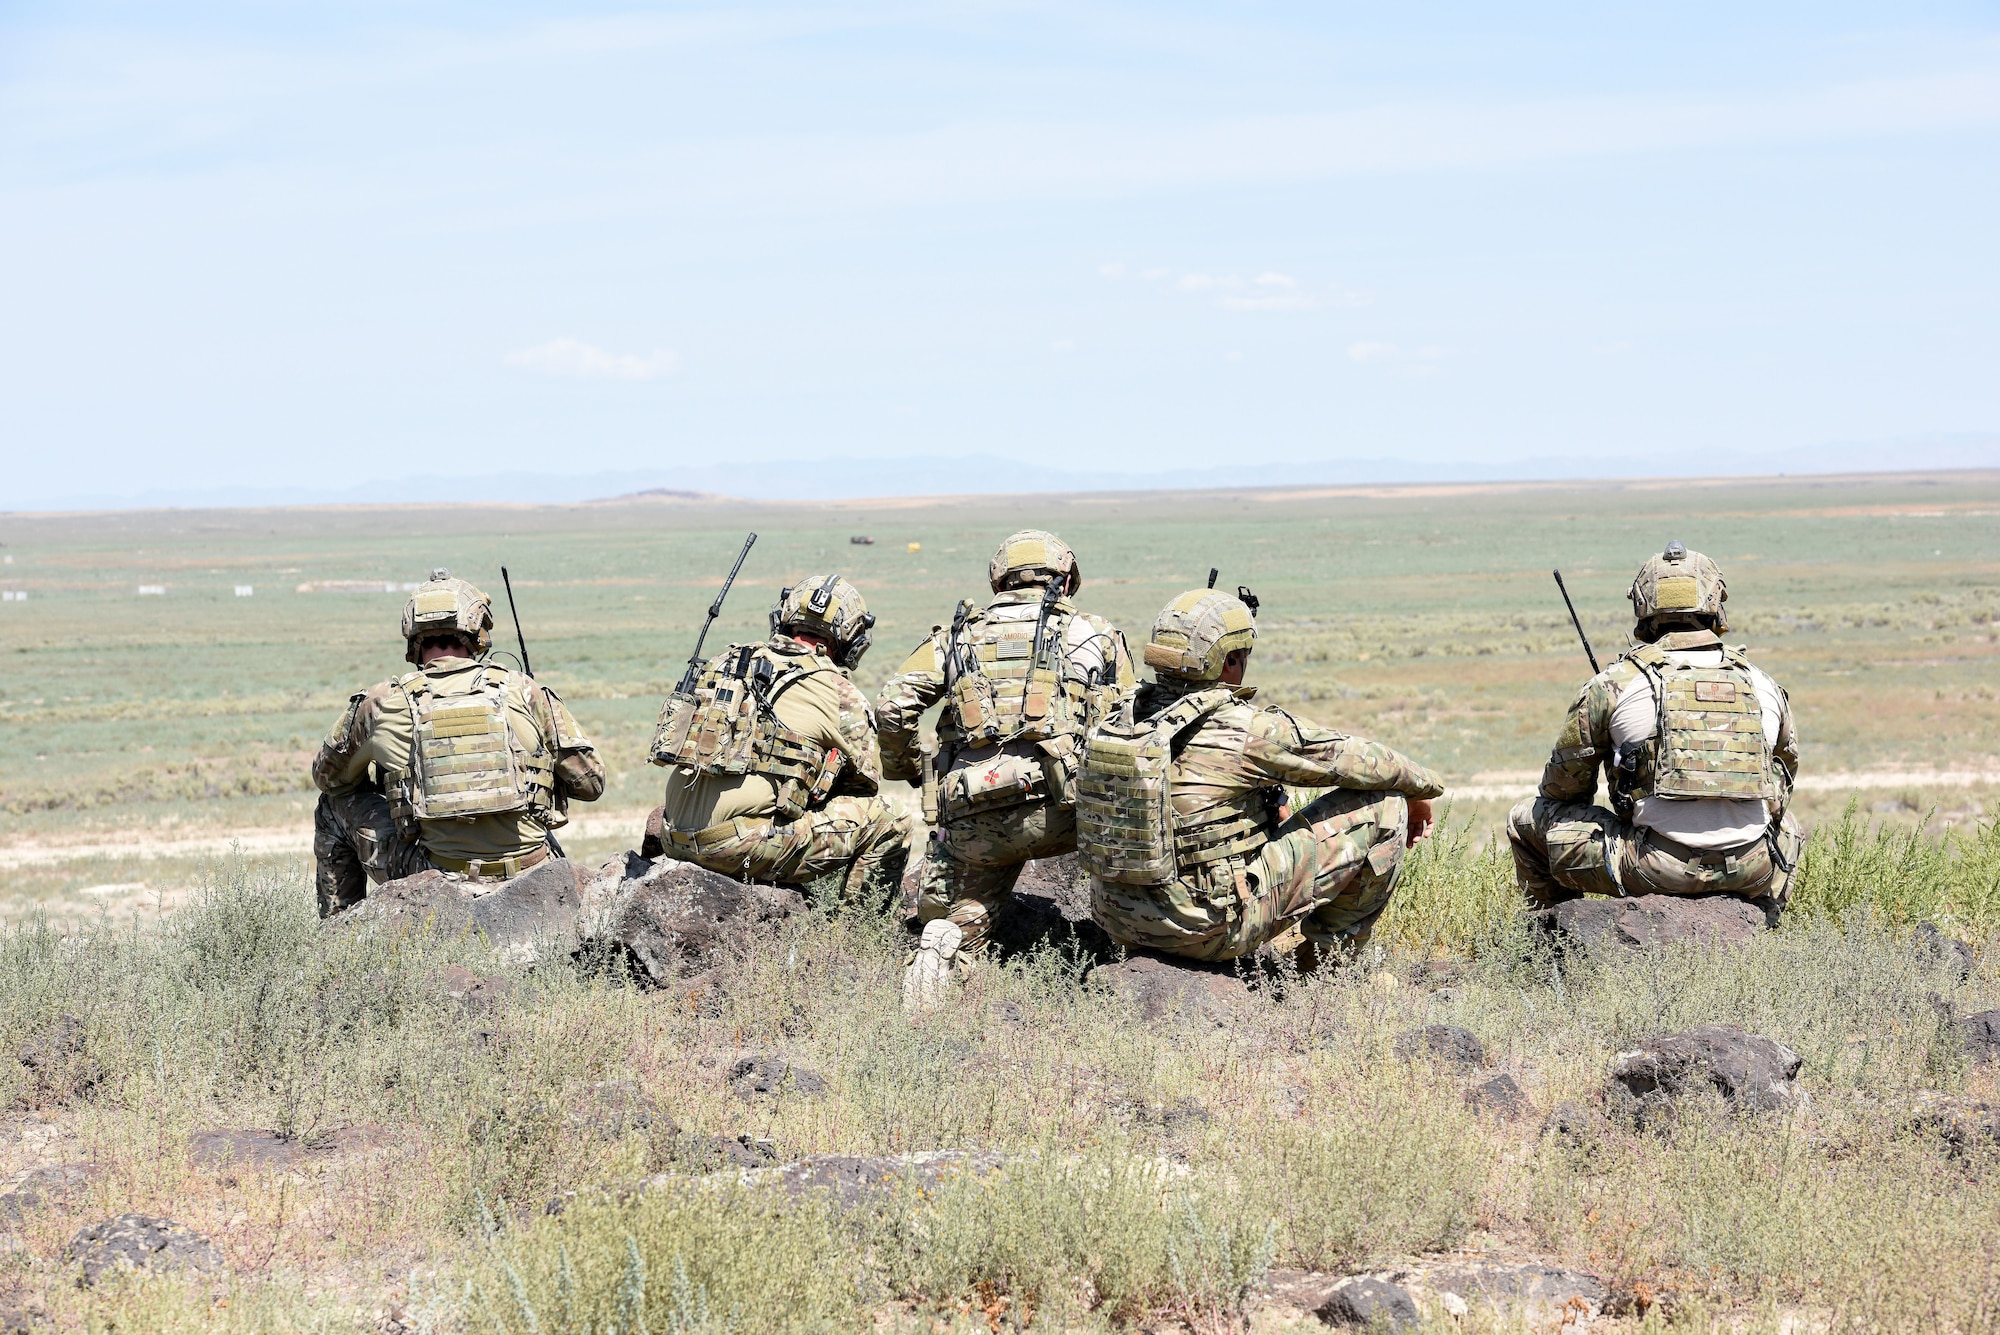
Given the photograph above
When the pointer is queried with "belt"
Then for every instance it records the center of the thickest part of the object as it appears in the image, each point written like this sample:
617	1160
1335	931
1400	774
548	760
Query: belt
714	836
499	867
1676	848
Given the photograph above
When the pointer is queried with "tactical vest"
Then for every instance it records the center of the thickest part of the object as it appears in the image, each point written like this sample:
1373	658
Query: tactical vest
1709	741
1127	831
1001	692
729	726
465	757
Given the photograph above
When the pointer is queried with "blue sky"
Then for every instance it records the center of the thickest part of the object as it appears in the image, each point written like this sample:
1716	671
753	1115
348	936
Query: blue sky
291	245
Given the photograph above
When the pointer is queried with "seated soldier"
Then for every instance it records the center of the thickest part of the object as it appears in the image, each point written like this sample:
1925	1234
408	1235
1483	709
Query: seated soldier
464	765
774	772
1699	758
1210	825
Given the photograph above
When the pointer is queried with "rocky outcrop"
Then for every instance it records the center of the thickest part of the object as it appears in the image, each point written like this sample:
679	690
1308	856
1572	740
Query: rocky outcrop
1981	1034
1444	1043
1164	989
773	1078
532	917
673	921
1651	921
1531	1295
1750	1073
138	1242
853	1181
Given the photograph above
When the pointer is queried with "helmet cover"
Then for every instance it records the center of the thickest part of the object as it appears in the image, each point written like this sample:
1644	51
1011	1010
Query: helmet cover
1033	557
832	609
1679	583
446	606
1195	634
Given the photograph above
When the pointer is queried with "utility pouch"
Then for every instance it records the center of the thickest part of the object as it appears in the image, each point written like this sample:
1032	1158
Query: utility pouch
1061	760
1040	689
1003	781
930	788
670	736
968	701
829	775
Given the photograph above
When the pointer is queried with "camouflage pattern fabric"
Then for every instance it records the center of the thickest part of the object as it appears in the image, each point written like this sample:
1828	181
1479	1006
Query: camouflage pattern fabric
858	844
356	843
372	745
1566	850
1330	865
976	855
975	861
1330	868
823	707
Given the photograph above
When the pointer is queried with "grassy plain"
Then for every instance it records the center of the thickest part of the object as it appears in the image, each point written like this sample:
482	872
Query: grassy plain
1422	616
1156	1168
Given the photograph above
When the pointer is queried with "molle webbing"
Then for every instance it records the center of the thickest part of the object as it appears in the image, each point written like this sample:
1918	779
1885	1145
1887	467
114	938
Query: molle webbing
1710	739
464	759
1125	818
1008	695
728	726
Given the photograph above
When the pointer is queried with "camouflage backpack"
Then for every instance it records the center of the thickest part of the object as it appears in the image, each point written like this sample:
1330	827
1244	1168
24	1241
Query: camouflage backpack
1124	805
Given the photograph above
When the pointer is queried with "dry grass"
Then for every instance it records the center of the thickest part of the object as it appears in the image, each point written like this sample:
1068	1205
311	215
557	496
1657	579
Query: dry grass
1153	1170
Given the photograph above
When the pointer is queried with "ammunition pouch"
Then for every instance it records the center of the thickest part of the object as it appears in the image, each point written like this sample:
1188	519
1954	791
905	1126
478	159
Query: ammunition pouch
1062	760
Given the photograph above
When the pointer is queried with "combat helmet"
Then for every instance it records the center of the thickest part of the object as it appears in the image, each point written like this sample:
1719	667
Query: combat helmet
1679	585
831	608
1196	632
1033	557
446	606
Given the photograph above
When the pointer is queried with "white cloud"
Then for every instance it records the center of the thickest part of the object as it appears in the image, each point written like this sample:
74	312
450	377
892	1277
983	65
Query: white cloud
1063	345
1275	280
573	357
1372	352
1413	363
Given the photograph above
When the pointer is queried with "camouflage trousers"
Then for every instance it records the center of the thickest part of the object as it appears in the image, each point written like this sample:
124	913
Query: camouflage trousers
1329	868
853	846
1566	850
355	843
976	859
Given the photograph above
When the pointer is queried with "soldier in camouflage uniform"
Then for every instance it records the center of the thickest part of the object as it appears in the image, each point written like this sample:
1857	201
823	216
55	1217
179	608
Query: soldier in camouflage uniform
1020	680
1698	754
463	765
775	775
1210	825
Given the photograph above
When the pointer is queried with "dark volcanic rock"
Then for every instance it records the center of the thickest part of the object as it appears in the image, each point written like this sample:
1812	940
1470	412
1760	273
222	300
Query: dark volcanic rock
274	1152
1954	954
1647	921
536	909
60	1067
1443	1043
1959	1124
56	1184
1573	1122
711	1154
772	1077
1501	1095
1752	1074
1161	988
141	1242
1981	1033
676	920
1374	1304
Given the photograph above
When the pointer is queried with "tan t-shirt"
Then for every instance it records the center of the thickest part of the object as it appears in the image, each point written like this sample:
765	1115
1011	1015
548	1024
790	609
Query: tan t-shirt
824	706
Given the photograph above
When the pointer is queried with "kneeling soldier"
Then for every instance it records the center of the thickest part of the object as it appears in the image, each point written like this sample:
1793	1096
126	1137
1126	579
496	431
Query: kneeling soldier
775	775
1209	825
464	765
1020	679
1698	753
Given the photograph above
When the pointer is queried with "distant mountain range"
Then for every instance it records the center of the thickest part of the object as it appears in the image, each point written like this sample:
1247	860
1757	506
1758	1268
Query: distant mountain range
847	478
